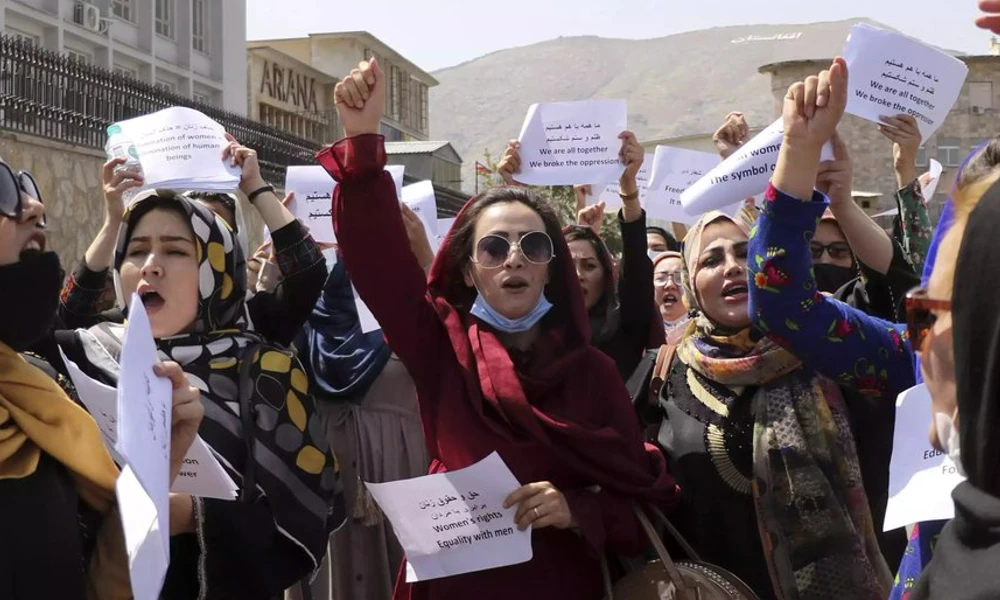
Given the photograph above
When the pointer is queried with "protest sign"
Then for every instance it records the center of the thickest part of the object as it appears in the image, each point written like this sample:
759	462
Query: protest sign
202	475
144	423
178	148
366	318
929	180
397	172
453	523
419	197
893	74
610	196
569	143
921	478
745	173
674	170
313	204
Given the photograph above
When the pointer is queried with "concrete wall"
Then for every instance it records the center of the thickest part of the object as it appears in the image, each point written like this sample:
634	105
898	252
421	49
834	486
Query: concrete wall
69	179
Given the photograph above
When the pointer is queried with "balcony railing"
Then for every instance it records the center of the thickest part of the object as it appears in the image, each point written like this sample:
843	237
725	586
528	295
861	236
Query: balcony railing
49	95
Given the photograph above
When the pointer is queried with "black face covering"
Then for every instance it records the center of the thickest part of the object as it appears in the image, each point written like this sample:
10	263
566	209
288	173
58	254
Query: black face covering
830	278
29	299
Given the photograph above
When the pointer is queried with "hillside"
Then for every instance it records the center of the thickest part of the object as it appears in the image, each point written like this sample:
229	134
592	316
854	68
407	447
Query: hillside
678	85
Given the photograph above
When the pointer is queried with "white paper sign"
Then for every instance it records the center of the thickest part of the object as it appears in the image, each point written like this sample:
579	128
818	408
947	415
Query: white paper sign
397	172
745	173
144	410
674	170
893	74
366	319
443	227
921	478
568	143
610	196
313	203
929	180
421	200
180	148
454	523
201	475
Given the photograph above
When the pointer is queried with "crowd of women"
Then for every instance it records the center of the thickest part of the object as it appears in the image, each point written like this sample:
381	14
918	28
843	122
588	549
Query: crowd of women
739	375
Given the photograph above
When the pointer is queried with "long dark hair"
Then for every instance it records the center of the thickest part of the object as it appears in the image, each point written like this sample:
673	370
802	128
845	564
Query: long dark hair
575	233
458	252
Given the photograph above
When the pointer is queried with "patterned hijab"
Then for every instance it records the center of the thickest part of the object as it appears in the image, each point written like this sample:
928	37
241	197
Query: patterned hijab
295	467
816	527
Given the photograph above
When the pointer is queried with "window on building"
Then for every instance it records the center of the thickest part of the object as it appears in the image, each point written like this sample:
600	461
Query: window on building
79	56
950	152
198	29
391	133
165	18
201	98
395	92
981	95
124	10
126	71
423	109
922	158
23	36
295	123
166	86
404	100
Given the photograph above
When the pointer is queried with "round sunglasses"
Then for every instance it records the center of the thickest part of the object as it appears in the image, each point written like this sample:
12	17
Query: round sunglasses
836	250
12	186
493	250
920	317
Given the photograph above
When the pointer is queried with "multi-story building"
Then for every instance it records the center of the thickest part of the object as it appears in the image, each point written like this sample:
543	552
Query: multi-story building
333	55
193	48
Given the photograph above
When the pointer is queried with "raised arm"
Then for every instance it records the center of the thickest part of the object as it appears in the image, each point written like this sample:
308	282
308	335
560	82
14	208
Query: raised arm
914	220
370	232
842	343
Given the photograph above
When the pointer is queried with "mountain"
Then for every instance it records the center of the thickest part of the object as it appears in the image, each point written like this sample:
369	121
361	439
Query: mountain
678	85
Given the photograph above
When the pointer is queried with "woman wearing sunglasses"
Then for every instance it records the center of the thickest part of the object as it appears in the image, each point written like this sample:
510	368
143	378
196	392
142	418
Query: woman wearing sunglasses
668	294
865	362
953	324
59	521
497	342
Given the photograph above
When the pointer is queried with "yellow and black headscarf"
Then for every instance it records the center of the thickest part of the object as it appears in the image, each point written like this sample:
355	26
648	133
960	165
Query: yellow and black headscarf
295	466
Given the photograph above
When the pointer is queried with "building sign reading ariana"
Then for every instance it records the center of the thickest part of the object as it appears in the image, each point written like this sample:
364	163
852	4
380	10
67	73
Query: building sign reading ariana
285	85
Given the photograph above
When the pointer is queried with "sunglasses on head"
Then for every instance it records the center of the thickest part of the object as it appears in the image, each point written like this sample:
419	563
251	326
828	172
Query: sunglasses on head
920	317
836	250
12	186
493	250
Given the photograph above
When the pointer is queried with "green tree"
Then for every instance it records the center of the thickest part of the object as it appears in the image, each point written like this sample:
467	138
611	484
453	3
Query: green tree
563	200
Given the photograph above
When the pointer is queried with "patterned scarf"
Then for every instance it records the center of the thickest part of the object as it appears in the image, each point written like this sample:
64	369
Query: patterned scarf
295	467
814	519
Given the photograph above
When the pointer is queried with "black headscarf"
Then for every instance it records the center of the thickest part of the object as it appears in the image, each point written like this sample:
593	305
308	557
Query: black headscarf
968	551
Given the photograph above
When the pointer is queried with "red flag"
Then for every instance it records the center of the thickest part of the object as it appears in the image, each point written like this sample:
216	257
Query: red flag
482	169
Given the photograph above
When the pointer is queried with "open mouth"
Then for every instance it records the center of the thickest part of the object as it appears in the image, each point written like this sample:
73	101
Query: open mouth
734	291
151	300
514	284
670	299
35	243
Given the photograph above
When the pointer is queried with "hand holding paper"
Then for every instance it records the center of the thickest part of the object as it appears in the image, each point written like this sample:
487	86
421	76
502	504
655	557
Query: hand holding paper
186	414
733	134
510	163
118	181
904	133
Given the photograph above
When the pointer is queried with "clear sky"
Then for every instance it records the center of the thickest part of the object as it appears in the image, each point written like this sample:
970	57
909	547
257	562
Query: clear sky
441	33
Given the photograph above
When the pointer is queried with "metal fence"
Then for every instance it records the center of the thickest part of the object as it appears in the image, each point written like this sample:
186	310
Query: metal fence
46	94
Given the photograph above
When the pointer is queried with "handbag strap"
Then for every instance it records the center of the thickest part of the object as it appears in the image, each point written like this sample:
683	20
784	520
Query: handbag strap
683	591
692	554
664	360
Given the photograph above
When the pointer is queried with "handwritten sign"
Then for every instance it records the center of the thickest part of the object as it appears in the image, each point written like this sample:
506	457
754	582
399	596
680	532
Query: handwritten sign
674	170
454	523
745	173
202	475
921	478
144	409
419	197
567	143
891	74
313	203
180	148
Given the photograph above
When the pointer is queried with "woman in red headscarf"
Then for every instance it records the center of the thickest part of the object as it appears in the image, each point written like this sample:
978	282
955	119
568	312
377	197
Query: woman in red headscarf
497	342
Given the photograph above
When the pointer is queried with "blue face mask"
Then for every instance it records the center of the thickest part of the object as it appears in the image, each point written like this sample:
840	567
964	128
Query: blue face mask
653	254
485	313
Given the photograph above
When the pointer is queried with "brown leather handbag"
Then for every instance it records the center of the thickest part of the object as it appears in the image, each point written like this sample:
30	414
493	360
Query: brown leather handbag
664	579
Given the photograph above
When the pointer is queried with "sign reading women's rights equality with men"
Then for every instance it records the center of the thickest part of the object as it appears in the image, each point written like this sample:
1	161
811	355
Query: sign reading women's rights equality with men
893	74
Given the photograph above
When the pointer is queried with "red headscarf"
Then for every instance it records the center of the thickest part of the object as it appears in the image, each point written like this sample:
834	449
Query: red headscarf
518	397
